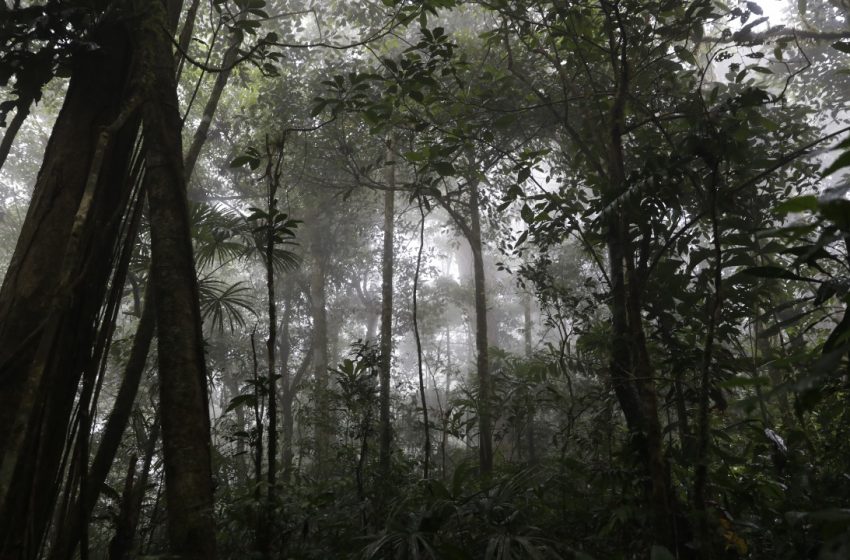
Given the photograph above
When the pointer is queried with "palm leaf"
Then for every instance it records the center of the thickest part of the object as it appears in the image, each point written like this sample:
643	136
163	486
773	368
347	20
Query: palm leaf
222	302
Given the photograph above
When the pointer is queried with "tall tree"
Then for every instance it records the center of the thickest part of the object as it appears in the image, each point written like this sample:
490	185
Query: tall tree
90	152
48	314
182	370
386	348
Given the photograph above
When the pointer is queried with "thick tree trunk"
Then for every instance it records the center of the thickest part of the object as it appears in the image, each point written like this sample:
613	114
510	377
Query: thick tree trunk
386	349
183	378
56	284
482	362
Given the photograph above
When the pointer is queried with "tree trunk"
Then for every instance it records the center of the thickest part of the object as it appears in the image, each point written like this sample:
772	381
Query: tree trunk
286	384
386	349
201	133
183	378
444	440
56	283
186	36
485	436
123	543
22	111
68	537
528	326
426	464
320	345
271	356
631	369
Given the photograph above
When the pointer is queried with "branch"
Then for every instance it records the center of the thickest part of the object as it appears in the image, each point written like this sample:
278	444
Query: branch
783	33
782	162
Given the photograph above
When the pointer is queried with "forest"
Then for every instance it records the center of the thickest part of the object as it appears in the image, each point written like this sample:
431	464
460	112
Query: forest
425	279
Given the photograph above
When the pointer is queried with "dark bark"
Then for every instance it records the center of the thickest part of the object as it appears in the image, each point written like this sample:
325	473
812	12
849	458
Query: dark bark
56	284
68	537
202	132
631	368
186	35
258	440
426	463
472	232
182	370
22	111
530	436
273	178
122	545
122	408
704	540
287	420
119	544
386	349
482	362
444	440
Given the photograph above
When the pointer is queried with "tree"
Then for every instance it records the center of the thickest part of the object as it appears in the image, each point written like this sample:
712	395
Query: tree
386	345
109	97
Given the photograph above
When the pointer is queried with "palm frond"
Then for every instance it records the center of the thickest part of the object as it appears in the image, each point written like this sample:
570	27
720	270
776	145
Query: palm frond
222	302
217	233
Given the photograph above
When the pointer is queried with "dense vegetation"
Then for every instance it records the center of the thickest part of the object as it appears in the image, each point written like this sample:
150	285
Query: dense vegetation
425	279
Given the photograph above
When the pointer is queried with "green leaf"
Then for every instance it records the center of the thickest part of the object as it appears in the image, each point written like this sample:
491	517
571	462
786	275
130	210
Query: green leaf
241	161
840	163
241	400
806	203
523	174
842	46
318	107
415	156
772	272
685	55
444	168
504	121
